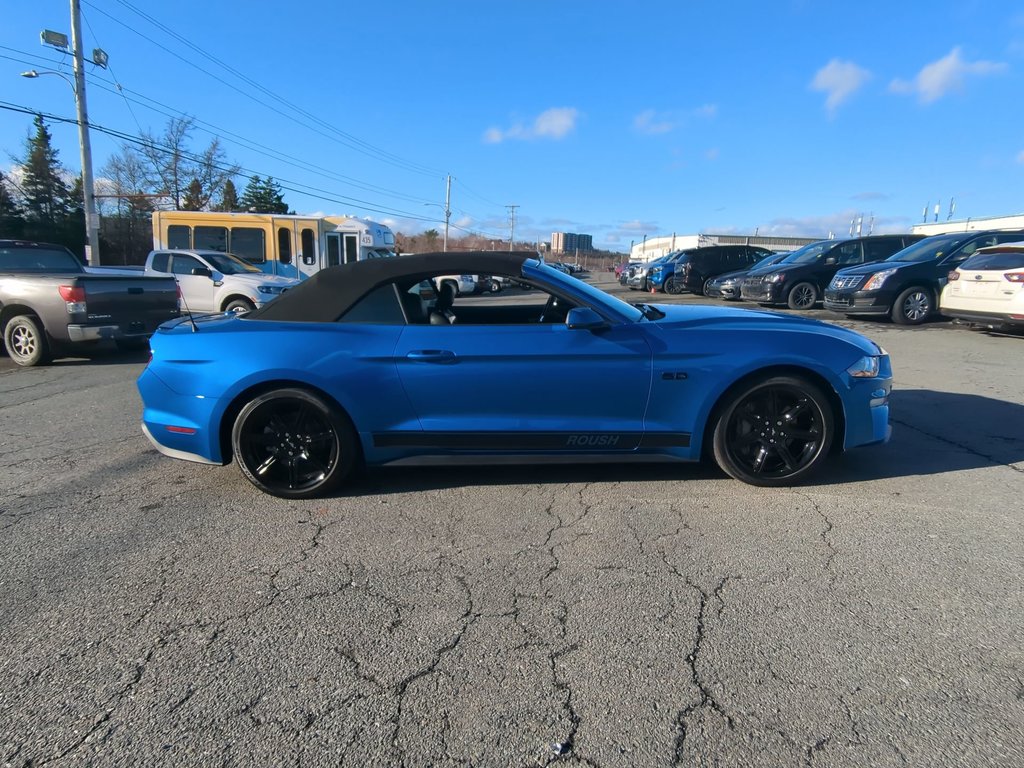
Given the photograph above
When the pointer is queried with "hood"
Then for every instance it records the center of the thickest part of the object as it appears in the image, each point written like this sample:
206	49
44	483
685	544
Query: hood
739	320
261	279
877	266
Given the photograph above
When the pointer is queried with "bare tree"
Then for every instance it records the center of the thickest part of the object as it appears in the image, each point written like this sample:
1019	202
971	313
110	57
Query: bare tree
173	166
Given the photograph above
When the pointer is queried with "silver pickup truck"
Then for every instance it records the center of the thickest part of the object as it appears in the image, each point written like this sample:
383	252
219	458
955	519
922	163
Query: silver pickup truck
49	302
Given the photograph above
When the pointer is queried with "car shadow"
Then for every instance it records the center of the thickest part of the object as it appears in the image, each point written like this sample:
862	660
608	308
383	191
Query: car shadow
933	433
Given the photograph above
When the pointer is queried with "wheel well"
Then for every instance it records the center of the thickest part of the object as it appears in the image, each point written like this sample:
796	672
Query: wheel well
234	297
13	310
227	421
778	370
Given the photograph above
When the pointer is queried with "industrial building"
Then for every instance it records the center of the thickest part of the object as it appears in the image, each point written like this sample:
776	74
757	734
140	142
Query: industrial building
967	225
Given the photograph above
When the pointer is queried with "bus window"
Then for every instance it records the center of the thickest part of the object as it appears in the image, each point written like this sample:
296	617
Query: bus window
308	248
248	243
179	236
284	245
211	238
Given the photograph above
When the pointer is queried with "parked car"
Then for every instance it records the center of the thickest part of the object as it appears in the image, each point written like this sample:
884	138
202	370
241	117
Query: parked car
460	283
367	377
727	286
49	303
799	281
214	281
906	286
988	288
691	270
627	271
638	275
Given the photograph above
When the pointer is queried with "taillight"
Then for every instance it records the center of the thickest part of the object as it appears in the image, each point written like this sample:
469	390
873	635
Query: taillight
74	297
953	276
1014	277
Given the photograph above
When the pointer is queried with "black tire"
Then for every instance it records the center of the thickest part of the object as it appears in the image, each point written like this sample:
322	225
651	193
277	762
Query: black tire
293	444
239	305
704	287
495	286
913	306
802	296
774	432
26	341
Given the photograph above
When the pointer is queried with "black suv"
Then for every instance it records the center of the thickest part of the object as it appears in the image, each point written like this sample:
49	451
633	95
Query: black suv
906	286
799	280
691	270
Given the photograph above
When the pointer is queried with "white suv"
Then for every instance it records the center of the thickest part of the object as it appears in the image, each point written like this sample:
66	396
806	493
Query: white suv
988	288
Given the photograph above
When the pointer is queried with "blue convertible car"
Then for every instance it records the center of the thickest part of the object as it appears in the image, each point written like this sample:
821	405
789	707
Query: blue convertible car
368	363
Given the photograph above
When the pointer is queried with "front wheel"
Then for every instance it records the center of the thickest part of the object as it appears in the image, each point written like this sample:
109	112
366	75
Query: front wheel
293	444
774	432
707	284
26	341
239	305
802	296
495	286
912	306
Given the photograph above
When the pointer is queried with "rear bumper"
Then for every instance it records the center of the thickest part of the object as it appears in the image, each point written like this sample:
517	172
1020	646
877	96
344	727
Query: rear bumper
983	318
84	333
182	426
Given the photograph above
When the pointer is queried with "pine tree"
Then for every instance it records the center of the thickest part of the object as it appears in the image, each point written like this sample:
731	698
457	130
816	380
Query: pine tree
263	196
229	198
12	224
193	200
46	194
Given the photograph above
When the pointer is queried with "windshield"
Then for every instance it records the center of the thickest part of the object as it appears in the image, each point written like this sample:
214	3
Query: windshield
576	286
810	252
38	260
380	253
930	248
229	264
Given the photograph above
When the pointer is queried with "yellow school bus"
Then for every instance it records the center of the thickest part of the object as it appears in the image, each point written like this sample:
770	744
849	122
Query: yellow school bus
290	246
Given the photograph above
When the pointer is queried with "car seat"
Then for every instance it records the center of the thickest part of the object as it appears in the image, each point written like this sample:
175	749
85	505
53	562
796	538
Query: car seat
442	313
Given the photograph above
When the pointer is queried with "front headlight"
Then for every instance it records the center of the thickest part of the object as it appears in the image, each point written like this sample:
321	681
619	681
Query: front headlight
877	279
774	278
865	368
272	290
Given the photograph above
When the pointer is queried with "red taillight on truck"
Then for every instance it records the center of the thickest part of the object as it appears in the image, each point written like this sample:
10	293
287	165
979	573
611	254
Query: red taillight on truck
74	297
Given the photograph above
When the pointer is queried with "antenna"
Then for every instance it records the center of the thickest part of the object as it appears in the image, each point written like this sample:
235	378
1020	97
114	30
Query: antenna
181	295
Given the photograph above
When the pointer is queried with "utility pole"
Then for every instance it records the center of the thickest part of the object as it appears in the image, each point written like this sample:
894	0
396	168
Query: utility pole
512	224
91	219
447	209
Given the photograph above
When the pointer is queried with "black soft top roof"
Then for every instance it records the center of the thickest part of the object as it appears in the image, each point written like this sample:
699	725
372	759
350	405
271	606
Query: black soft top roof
328	294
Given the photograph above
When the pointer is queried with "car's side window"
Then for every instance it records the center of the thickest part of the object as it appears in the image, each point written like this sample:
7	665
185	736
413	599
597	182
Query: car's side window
877	250
517	303
159	263
849	253
183	265
380	306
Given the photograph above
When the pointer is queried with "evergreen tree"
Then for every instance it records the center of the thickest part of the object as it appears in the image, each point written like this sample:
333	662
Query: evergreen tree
46	195
12	224
229	198
263	196
193	200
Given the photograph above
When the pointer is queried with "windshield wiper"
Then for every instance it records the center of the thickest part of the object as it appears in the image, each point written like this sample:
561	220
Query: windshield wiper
651	313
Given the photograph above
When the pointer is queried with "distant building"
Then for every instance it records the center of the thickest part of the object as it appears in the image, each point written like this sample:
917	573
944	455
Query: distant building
570	242
655	247
968	225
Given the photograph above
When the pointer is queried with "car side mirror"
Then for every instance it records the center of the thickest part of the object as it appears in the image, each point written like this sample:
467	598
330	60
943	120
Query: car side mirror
202	271
584	319
831	260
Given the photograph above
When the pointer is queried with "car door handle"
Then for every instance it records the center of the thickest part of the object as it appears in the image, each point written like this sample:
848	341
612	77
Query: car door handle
432	356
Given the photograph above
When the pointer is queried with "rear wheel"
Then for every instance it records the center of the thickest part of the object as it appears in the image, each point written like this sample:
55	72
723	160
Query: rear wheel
912	306
495	286
802	296
774	432
707	284
293	444
26	341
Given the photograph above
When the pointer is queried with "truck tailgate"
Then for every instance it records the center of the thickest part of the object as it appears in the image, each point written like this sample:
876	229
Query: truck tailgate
137	304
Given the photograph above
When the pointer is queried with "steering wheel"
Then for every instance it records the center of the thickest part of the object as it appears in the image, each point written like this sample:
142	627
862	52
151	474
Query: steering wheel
549	309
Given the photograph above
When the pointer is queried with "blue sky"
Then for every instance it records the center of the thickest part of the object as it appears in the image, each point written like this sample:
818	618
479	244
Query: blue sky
615	119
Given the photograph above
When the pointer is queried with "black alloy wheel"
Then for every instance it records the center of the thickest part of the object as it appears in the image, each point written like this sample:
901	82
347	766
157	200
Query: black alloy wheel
774	432
912	306
706	285
291	443
802	296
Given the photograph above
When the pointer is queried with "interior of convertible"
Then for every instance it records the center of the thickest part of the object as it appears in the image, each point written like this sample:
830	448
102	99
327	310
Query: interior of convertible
434	300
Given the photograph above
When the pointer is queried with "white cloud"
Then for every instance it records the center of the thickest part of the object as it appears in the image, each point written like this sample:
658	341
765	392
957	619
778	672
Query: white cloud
653	122
1020	156
949	73
555	123
840	80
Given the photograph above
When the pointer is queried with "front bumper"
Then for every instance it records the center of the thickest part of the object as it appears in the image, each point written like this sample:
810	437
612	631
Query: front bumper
763	293
858	302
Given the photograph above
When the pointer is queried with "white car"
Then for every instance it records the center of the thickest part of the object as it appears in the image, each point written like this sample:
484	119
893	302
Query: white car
461	283
213	281
988	288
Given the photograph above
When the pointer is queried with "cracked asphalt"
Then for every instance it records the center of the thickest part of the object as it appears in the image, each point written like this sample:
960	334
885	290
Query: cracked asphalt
159	613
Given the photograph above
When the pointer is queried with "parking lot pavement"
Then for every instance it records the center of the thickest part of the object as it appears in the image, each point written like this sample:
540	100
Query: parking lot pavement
163	613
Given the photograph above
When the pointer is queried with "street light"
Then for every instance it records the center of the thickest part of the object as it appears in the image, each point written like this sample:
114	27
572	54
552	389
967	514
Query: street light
59	40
